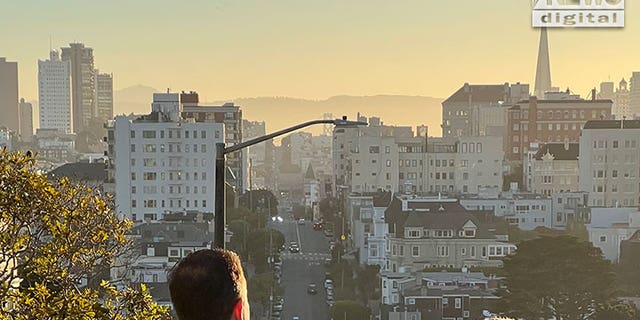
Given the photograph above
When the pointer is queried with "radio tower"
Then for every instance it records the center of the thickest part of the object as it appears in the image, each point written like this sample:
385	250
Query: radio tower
327	129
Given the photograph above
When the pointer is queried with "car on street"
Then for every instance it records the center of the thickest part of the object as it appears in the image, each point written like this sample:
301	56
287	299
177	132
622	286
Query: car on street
295	318
312	288
317	226
301	221
327	262
277	307
294	249
328	283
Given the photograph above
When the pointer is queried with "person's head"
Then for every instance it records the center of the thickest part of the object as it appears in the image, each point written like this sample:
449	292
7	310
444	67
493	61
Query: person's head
209	285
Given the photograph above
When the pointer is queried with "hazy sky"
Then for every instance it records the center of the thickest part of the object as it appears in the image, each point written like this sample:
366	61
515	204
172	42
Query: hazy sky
313	48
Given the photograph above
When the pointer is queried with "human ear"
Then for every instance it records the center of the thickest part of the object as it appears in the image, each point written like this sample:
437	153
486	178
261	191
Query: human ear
237	311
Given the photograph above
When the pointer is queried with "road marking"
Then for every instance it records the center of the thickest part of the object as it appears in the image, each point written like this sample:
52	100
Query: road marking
299	242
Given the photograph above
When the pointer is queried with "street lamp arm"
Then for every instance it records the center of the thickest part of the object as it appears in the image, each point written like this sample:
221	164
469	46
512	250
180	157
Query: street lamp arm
221	151
336	122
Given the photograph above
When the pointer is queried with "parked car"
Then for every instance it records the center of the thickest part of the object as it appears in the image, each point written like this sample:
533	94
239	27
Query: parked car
328	283
312	288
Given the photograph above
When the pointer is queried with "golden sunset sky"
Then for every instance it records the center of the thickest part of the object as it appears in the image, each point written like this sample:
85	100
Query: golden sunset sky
313	48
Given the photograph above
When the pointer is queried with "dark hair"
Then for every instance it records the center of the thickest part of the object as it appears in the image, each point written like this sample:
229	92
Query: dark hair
207	284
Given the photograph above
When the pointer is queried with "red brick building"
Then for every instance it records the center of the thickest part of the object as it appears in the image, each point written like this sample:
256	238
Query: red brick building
559	120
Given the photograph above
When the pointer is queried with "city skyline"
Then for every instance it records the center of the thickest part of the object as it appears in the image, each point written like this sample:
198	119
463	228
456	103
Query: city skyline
317	50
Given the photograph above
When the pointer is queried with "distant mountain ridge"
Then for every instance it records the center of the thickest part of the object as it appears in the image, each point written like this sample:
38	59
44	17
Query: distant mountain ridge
282	112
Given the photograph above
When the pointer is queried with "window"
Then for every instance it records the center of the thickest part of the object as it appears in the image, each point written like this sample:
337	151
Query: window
603	238
133	134
387	149
133	203
615	144
133	176
149	162
133	189
133	148
148	134
149	148
458	303
204	176
415	251
149	176
374	149
203	148
443	251
479	147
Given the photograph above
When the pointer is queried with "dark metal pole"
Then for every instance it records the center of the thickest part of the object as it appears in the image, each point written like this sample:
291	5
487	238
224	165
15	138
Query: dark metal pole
220	195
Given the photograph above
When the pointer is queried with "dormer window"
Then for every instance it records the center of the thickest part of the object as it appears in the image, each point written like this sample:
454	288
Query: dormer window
414	233
443	233
469	233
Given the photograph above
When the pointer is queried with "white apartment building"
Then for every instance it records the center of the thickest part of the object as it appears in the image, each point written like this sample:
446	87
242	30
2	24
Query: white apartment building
525	210
610	226
369	231
416	164
610	162
352	150
164	163
551	168
54	93
479	163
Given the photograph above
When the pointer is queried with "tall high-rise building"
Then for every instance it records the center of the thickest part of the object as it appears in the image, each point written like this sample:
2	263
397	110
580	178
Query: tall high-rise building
634	95
621	102
54	93
83	83
9	115
163	162
26	121
104	96
543	69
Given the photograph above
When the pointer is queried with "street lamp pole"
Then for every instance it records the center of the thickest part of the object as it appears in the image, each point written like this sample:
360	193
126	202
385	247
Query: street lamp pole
222	151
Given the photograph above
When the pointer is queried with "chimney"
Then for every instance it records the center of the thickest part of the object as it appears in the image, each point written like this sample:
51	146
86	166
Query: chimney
593	94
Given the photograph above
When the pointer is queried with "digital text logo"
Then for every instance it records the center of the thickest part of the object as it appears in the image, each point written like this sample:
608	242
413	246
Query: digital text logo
578	13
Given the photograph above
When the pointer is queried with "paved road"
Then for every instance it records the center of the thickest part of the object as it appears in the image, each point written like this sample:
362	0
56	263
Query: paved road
301	269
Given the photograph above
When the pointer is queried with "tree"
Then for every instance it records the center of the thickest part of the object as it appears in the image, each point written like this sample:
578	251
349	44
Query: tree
260	201
349	310
368	282
258	246
618	310
559	277
514	176
52	236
